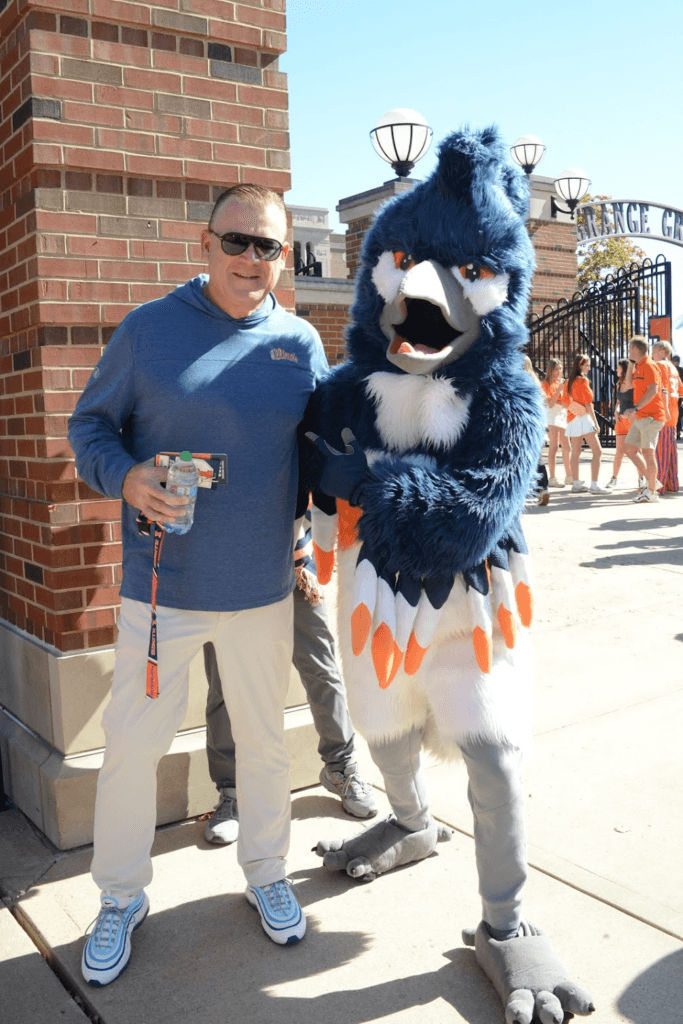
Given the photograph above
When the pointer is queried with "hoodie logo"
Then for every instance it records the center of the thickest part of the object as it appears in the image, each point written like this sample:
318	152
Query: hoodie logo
279	353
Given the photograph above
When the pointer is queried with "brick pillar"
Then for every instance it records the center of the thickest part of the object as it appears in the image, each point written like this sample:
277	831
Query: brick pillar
554	241
120	124
358	212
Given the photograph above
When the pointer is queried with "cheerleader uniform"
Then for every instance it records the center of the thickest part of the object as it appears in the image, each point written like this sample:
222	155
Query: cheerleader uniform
581	393
557	415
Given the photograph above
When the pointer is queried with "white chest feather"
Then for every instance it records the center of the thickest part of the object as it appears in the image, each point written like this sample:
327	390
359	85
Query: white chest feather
417	410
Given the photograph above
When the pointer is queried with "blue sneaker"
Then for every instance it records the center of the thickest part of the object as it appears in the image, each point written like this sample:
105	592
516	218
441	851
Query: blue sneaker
107	951
282	918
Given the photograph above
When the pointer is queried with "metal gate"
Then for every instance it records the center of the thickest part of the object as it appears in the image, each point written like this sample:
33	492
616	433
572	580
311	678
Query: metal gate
600	322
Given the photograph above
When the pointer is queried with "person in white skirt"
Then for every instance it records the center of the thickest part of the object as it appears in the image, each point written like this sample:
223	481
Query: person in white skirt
556	417
582	425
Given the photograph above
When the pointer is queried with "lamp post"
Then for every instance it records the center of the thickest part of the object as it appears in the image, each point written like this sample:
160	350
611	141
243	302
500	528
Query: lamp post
401	137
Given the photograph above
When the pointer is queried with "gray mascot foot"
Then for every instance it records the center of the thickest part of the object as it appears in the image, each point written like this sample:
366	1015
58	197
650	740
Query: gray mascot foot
379	849
528	976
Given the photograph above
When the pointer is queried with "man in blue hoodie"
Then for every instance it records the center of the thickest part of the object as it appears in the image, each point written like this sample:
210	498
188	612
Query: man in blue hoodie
217	365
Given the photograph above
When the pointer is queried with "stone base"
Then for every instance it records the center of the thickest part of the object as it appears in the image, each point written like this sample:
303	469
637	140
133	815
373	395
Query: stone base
51	738
57	793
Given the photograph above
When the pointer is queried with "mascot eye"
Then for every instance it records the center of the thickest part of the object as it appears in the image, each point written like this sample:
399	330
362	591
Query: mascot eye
473	273
403	261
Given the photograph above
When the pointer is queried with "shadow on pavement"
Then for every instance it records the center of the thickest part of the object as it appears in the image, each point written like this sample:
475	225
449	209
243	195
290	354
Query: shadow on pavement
656	994
209	962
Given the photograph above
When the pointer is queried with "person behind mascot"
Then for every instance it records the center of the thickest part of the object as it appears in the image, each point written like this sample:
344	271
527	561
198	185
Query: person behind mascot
434	598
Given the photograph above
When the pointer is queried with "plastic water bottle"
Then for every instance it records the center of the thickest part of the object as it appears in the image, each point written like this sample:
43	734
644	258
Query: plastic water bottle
182	480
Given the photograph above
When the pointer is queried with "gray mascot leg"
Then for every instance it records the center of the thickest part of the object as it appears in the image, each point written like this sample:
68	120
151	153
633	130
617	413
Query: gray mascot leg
515	955
409	834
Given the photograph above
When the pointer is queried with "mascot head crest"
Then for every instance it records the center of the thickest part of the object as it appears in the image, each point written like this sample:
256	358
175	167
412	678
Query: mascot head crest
447	265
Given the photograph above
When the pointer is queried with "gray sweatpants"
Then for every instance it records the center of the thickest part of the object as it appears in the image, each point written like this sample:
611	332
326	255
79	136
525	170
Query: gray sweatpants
496	797
314	660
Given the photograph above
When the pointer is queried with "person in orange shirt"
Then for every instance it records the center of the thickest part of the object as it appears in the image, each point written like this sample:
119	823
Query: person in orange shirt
556	417
667	453
647	416
582	424
622	424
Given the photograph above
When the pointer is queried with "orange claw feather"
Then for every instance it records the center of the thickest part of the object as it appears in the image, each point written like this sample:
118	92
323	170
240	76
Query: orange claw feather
384	655
525	603
361	624
348	523
507	625
324	561
414	656
482	648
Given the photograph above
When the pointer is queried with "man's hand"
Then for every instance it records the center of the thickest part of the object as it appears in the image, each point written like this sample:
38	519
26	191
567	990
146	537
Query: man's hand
142	489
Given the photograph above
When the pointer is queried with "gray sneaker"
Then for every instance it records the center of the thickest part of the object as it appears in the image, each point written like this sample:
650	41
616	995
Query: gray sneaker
223	826
356	796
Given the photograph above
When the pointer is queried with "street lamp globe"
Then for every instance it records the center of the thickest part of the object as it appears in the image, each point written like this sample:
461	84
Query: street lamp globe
572	185
401	137
527	151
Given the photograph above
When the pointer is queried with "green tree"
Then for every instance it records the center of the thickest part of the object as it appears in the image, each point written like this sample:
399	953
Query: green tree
606	256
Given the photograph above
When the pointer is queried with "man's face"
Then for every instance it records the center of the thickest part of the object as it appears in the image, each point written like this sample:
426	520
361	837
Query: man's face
635	353
658	354
239	284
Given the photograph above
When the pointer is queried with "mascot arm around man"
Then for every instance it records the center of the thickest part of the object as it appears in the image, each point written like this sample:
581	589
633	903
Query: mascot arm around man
428	437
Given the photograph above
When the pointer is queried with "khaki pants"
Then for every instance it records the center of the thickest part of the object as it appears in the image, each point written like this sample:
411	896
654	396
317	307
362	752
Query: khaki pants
254	653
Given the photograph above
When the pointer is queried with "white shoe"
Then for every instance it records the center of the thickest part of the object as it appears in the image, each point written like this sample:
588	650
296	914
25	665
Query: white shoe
642	483
595	488
646	495
578	486
554	482
568	481
612	482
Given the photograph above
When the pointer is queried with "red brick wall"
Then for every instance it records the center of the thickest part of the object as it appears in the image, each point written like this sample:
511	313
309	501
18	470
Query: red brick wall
330	320
120	123
556	266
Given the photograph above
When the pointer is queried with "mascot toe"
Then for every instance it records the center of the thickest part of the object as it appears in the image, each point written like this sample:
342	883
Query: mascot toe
385	846
420	451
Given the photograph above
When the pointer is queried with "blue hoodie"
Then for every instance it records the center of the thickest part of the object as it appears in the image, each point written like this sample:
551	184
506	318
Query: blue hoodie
179	373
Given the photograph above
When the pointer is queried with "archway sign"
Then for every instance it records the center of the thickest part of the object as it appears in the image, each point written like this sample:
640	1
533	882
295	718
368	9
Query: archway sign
629	217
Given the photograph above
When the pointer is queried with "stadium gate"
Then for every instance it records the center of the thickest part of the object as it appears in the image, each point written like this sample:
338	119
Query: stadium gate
600	321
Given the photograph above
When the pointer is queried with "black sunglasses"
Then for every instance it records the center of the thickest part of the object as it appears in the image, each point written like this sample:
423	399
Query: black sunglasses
234	242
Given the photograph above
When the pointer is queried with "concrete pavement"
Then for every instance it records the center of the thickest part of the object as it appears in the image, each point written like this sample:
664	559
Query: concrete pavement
604	825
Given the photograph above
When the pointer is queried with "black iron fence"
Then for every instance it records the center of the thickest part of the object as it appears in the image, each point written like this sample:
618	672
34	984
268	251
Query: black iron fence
600	321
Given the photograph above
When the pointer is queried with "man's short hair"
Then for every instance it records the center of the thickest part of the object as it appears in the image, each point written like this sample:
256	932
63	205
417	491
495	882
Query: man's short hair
253	195
639	342
665	347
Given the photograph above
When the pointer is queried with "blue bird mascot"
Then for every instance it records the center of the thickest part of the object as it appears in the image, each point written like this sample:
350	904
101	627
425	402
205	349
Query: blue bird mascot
424	446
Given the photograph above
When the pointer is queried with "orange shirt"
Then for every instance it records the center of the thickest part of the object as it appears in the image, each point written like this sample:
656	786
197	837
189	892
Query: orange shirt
645	374
581	392
671	383
549	390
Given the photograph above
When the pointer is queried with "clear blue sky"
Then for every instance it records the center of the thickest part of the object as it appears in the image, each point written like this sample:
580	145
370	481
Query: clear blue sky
603	91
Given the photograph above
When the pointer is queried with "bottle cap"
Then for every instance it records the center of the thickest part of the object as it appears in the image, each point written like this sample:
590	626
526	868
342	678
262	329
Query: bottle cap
186	456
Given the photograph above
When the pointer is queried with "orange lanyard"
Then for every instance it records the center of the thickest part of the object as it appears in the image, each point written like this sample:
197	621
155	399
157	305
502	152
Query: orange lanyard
152	653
